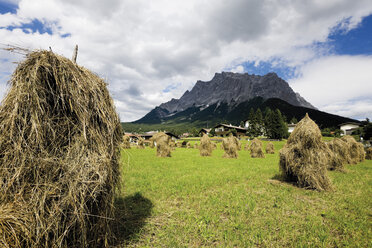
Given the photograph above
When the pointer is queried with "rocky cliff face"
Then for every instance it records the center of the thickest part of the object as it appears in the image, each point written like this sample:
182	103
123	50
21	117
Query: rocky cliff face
235	88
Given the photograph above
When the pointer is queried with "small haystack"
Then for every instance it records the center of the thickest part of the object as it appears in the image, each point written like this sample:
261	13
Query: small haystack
188	145
140	143
355	149
256	149
162	140
230	147
340	156
237	142
270	148
59	150
214	145
369	153
179	144
206	146
126	142
172	144
304	158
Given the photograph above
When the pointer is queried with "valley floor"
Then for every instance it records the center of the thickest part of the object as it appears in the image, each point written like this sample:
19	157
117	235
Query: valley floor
193	201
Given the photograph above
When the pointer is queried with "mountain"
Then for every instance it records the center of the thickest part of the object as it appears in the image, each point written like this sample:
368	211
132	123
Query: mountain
222	112
228	97
234	88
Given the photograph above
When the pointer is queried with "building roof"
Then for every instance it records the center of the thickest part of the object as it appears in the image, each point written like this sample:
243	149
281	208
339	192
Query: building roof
205	129
348	123
231	126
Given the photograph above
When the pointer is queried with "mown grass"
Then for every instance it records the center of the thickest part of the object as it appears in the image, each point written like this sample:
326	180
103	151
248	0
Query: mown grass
193	201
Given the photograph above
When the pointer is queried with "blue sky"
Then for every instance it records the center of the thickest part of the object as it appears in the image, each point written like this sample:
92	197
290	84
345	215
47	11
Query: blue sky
150	52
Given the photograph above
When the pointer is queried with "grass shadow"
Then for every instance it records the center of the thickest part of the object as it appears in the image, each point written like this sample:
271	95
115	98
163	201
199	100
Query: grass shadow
131	213
280	179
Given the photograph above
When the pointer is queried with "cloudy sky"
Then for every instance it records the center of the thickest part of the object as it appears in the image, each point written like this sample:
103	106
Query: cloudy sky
152	51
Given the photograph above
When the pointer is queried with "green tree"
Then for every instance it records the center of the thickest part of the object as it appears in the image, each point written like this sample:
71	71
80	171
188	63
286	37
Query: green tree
275	125
294	120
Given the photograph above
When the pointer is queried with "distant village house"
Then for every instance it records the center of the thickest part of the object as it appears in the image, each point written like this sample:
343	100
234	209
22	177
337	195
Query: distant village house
224	129
348	127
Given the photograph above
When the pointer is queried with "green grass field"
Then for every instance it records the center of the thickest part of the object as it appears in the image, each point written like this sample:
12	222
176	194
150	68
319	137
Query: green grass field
193	201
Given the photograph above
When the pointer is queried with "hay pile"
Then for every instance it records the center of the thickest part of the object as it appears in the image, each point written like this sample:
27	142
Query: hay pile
59	151
369	153
172	144
163	148
140	143
230	147
304	158
270	148
237	142
340	156
355	149
214	145
196	146
126	143
188	145
256	149
179	144
206	146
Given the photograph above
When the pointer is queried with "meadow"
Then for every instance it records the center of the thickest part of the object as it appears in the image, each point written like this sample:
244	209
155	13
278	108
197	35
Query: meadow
192	201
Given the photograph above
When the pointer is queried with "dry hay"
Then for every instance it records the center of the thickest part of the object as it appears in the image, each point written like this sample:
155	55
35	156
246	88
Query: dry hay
230	147
237	142
196	146
162	140
206	146
140	143
214	145
270	148
179	144
126	142
340	156
355	149
256	149
188	145
369	153
59	149
304	158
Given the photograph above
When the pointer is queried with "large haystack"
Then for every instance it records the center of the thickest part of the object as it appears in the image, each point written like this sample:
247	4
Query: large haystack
230	147
140	143
126	142
340	156
163	148
59	152
355	149
256	149
206	146
304	158
369	153
270	148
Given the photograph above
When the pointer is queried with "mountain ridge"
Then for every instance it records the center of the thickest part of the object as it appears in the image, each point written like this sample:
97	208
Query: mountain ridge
235	88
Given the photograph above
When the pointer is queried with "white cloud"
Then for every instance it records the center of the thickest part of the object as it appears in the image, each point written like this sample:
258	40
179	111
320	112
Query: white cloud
141	47
338	84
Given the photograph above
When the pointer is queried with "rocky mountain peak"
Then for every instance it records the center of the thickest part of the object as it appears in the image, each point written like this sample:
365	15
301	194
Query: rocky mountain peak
234	88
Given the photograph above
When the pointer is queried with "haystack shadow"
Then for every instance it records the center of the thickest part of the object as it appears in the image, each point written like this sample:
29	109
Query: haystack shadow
131	213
